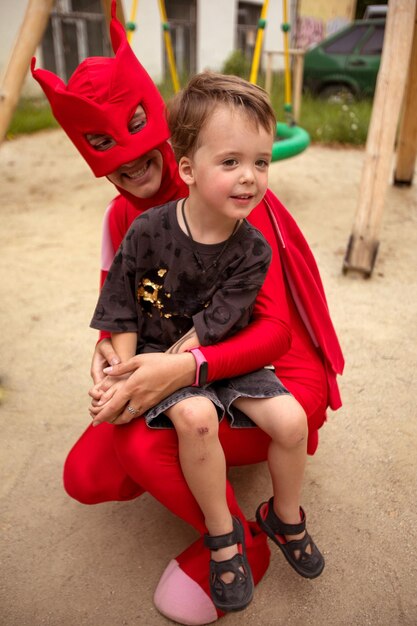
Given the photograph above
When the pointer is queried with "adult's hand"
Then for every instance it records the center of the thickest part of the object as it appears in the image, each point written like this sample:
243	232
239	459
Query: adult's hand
103	356
154	376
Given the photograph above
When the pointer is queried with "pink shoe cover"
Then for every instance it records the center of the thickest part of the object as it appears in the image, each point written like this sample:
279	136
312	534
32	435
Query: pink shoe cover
183	593
182	600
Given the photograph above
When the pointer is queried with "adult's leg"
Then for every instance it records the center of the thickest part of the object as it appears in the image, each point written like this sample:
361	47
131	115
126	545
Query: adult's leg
92	471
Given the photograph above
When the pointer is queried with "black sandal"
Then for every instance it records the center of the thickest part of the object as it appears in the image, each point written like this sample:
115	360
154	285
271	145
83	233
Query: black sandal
306	564
236	595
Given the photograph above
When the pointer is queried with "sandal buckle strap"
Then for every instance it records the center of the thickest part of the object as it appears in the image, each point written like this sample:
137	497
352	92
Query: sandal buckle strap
280	527
224	541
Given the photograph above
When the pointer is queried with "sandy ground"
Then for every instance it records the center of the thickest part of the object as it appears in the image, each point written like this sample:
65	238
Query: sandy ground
66	564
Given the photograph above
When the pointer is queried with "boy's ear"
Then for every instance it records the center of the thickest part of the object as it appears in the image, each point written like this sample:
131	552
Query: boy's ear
185	169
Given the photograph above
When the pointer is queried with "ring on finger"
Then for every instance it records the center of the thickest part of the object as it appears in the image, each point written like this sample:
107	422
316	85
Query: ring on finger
133	411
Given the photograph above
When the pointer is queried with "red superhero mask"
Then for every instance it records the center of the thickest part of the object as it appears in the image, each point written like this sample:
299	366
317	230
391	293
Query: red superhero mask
101	98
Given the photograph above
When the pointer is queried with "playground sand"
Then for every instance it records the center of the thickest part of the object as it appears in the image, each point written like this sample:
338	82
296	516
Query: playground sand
66	564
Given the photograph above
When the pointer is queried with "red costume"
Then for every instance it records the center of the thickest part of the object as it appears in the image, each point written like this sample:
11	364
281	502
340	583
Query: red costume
291	328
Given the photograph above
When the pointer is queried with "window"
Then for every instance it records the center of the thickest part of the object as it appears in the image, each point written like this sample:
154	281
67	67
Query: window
374	43
77	29
346	43
247	26
182	22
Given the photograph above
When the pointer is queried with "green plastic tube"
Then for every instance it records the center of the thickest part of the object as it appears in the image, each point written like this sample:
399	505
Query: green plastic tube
291	141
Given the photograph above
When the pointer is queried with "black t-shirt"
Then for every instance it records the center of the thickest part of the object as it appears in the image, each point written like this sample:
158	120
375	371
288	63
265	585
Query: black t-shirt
157	287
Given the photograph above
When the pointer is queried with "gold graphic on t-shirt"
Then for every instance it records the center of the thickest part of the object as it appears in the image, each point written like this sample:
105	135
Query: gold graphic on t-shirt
149	291
154	294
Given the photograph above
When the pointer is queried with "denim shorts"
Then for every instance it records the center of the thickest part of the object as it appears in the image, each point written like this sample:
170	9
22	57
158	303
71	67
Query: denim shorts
259	384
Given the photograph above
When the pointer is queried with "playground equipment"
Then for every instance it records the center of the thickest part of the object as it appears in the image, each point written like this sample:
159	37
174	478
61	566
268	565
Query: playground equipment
291	138
168	46
131	27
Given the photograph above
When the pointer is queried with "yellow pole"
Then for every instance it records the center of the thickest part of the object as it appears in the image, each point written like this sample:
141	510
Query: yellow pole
258	44
168	46
131	26
287	73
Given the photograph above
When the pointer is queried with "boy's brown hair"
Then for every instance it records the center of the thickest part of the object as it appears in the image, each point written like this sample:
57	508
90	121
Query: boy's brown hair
190	109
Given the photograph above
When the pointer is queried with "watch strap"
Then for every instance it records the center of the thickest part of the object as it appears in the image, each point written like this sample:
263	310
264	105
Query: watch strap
201	367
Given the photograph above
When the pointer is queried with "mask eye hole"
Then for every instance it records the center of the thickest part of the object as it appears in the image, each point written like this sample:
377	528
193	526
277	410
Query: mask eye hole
138	121
101	143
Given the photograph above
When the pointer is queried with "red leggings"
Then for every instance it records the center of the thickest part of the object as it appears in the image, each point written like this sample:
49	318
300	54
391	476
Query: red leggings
121	462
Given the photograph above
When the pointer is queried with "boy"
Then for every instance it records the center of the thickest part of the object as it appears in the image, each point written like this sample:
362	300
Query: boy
187	274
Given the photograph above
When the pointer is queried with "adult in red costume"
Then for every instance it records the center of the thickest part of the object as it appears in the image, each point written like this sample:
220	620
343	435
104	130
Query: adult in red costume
291	327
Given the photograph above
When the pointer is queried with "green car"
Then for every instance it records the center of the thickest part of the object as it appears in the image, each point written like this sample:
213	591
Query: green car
345	65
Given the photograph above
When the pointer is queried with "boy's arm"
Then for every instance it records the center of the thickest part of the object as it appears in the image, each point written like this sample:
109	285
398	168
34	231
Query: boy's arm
115	224
124	344
185	343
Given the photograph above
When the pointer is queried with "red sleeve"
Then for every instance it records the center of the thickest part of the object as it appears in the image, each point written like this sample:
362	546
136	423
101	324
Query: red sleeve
268	336
114	228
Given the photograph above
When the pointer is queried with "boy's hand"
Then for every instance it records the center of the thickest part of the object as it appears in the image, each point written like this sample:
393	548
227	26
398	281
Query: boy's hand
115	416
96	392
103	356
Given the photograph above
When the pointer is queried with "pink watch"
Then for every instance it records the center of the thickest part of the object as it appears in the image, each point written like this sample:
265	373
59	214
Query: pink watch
201	369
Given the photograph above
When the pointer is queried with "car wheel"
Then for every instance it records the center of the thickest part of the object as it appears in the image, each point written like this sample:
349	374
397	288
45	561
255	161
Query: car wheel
337	93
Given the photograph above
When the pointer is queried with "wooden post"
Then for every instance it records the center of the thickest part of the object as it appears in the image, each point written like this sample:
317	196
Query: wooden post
28	38
407	138
298	81
106	4
297	78
268	74
363	244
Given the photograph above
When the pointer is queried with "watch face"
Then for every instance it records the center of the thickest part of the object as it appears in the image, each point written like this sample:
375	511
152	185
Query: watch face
202	374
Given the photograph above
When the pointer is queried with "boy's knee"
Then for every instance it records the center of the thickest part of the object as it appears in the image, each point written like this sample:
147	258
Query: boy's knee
196	419
293	428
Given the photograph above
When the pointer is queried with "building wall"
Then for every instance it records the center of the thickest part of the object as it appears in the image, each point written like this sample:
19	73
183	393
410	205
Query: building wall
318	19
215	32
147	40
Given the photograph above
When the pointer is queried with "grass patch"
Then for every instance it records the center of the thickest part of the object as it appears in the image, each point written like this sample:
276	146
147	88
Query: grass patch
329	122
31	115
326	122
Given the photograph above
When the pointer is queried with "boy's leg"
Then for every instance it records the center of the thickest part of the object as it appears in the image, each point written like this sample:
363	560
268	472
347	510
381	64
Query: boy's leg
285	421
282	518
203	464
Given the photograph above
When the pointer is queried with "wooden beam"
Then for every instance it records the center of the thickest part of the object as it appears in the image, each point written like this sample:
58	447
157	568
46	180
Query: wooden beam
363	243
407	138
29	36
106	4
298	69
